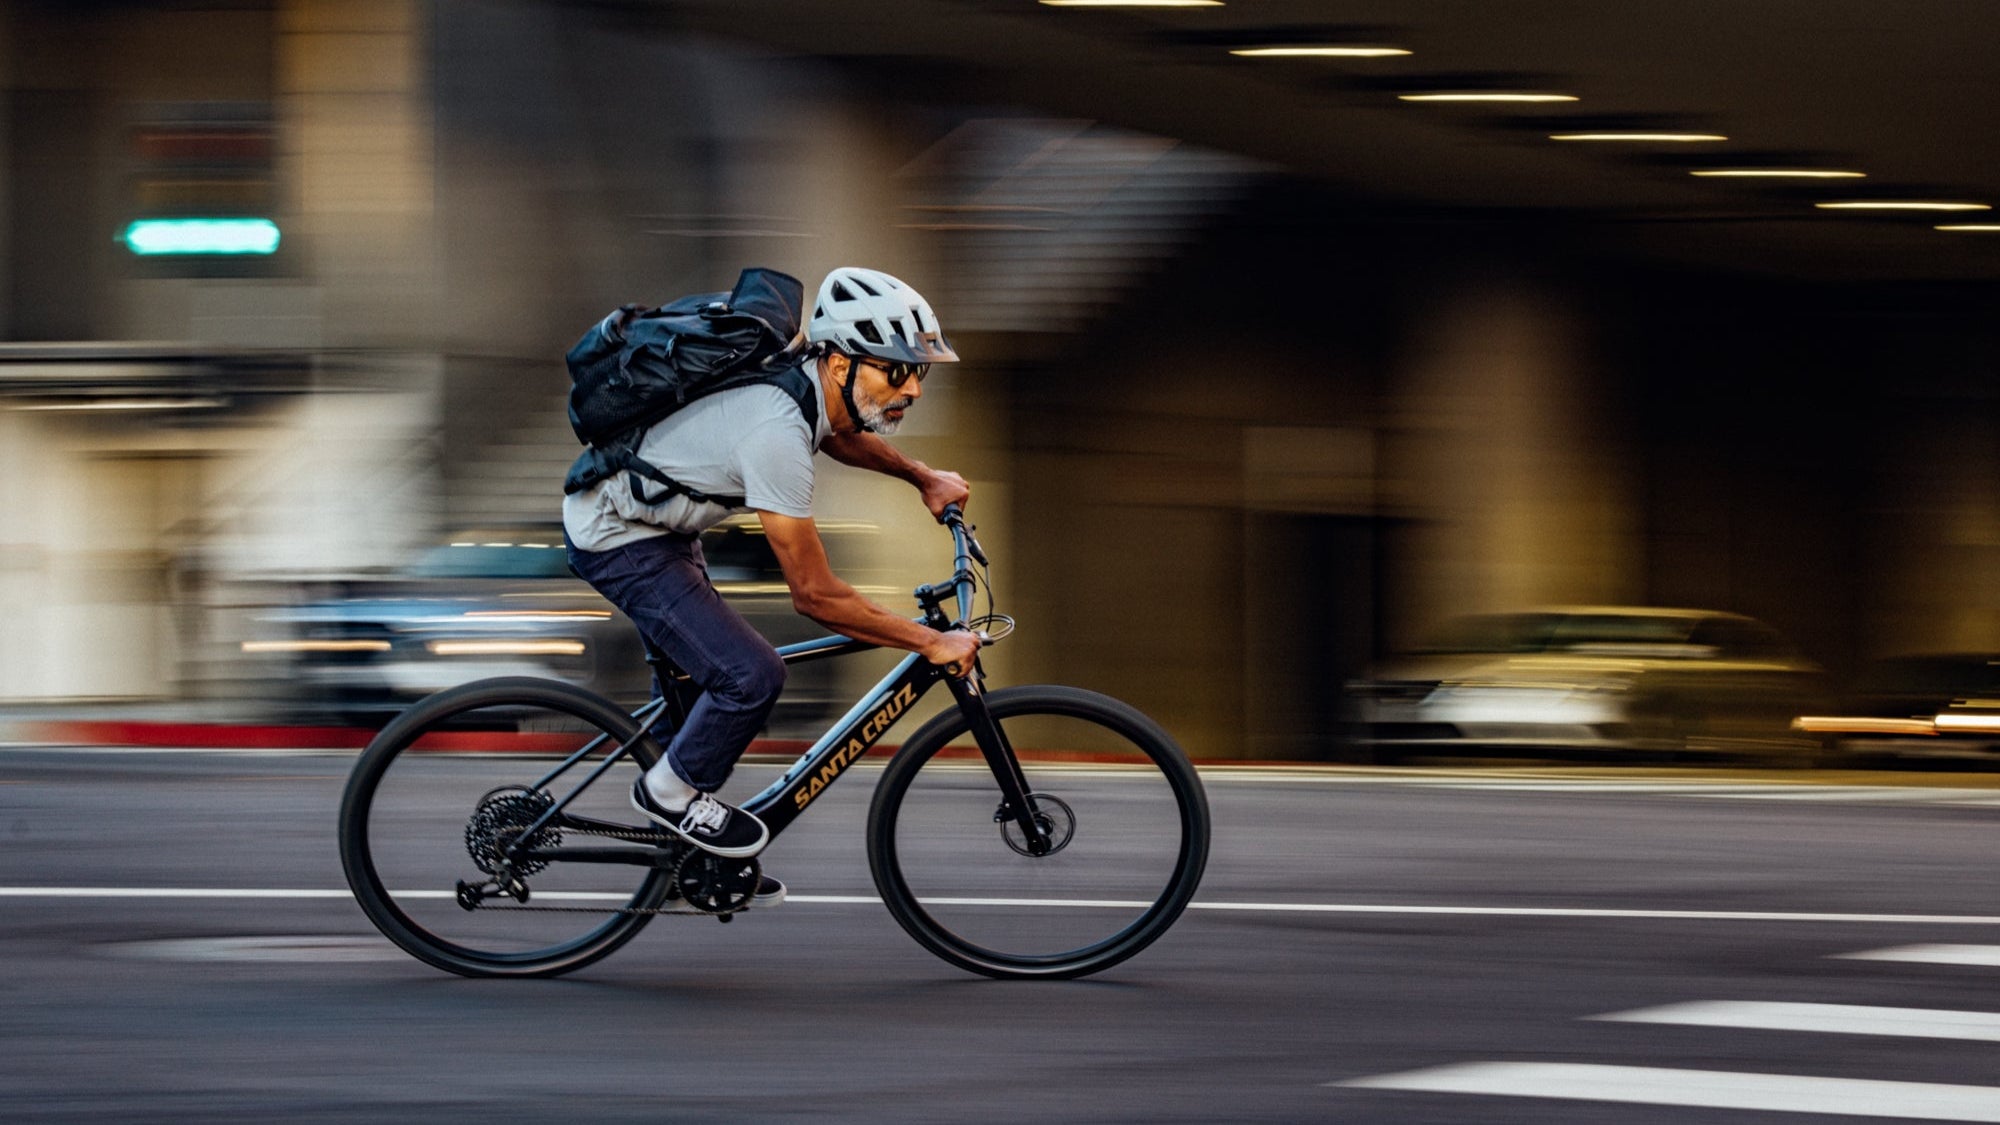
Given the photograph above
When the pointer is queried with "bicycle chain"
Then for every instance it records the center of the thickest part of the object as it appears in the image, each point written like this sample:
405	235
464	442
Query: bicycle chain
637	836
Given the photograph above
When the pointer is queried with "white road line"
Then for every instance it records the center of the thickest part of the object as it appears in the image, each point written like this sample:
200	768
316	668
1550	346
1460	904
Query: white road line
1645	1085
1118	904
1837	1019
1842	793
1983	955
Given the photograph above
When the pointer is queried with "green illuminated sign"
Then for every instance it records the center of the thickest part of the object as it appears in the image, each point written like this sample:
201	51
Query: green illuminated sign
201	236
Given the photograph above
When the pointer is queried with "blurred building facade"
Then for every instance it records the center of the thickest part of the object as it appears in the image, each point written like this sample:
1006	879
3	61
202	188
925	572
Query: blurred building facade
1232	434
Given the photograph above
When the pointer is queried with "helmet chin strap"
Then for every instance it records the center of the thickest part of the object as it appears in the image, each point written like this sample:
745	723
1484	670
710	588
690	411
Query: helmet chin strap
847	397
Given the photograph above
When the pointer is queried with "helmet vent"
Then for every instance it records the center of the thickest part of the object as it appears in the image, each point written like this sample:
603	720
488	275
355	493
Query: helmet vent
896	326
840	292
865	287
868	332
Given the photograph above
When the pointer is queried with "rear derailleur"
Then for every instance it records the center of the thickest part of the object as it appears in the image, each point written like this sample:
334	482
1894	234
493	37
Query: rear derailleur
506	883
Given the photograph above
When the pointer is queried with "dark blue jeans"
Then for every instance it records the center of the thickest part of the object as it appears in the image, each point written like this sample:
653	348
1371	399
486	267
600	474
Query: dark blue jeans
662	585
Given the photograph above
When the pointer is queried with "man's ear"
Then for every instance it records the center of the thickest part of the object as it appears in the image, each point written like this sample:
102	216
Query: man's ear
838	366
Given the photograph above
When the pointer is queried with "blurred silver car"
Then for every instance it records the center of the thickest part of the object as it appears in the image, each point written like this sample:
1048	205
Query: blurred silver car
502	602
1591	678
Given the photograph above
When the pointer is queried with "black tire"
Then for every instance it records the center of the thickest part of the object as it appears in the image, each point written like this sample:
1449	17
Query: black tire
406	805
1135	812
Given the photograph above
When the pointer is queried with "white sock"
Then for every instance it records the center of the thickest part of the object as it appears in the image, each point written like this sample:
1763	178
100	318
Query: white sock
668	789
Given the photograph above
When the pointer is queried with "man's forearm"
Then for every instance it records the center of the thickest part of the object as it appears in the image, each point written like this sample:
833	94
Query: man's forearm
869	451
846	612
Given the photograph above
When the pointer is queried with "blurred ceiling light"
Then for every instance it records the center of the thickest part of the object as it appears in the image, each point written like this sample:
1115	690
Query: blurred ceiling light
1779	173
148	237
79	405
1671	138
985	208
1969	227
1901	205
1132	3
1492	97
506	648
1327	51
971	226
315	646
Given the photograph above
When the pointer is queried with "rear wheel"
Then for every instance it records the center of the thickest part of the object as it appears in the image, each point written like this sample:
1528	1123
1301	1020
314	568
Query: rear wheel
1122	808
439	795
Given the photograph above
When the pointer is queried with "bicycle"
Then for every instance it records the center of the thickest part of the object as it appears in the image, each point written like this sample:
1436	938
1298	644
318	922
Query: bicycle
978	849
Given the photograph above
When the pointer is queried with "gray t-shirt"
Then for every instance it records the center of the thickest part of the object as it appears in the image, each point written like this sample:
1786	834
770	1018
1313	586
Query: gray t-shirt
750	442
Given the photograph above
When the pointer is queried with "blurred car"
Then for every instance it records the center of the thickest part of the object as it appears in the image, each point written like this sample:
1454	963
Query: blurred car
502	602
1665	681
1930	704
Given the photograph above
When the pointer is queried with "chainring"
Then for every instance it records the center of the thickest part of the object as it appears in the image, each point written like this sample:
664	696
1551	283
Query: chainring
498	821
713	884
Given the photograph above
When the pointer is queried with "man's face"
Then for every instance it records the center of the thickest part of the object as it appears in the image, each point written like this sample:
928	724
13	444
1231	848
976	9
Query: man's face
880	402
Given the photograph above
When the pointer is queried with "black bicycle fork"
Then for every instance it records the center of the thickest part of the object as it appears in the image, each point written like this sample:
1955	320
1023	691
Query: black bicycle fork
1016	802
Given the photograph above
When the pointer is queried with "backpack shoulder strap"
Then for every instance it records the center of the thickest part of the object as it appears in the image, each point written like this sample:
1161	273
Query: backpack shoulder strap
639	470
798	385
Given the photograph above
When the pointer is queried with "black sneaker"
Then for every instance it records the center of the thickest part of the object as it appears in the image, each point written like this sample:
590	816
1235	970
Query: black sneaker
708	824
770	893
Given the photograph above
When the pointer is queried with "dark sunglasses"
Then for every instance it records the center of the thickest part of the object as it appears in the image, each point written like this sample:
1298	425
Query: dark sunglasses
897	372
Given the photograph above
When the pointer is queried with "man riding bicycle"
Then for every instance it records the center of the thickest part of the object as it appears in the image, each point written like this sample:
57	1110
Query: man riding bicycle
873	340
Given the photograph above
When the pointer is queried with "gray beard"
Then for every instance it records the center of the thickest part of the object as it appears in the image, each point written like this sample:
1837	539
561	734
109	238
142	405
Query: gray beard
875	415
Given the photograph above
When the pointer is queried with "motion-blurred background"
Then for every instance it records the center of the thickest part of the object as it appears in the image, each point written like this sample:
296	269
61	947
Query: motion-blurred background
1276	361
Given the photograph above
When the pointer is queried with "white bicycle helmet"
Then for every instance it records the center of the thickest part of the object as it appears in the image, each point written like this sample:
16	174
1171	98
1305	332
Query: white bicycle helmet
867	312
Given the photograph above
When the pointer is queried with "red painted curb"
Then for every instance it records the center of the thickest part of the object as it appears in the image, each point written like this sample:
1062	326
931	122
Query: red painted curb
251	736
206	735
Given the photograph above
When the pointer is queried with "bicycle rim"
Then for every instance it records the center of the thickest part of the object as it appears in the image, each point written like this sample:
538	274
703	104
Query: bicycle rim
438	787
1112	788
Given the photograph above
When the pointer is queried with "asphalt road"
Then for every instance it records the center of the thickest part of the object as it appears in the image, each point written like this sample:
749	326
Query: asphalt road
1368	948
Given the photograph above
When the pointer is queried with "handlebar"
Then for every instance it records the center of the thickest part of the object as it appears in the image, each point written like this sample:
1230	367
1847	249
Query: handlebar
965	549
954	518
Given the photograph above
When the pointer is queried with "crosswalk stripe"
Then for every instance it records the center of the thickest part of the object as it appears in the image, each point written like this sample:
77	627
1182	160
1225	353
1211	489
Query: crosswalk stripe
1839	1019
1781	1093
1988	955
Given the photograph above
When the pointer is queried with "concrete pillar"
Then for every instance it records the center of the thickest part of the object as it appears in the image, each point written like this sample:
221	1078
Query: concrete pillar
355	139
7	39
1935	530
1499	456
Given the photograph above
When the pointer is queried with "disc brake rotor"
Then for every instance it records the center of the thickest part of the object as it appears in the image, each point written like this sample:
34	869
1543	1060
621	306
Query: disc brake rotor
1055	818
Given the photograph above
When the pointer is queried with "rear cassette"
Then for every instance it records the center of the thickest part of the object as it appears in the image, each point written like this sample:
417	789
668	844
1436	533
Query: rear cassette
502	815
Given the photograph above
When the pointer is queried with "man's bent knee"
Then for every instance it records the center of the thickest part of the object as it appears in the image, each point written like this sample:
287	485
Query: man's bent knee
755	681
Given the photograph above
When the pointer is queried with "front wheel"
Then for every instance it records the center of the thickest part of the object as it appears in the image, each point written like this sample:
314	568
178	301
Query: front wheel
1121	808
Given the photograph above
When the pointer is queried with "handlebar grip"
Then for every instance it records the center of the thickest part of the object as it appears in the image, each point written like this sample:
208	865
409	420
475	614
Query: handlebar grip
952	515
